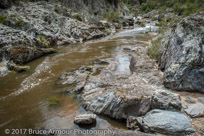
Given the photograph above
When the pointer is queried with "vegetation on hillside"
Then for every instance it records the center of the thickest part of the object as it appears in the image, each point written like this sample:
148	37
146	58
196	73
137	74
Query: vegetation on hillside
182	7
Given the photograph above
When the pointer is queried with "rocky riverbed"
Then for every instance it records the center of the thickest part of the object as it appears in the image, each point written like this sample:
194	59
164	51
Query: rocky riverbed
154	86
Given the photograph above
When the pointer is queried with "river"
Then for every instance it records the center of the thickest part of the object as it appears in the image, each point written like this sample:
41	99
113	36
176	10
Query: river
23	96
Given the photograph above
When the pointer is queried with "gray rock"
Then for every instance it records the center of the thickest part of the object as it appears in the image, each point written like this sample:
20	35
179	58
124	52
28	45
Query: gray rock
201	100
85	119
195	110
165	122
17	68
182	55
190	99
163	99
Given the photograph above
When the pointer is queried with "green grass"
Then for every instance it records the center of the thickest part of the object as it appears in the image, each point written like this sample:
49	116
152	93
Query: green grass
53	101
19	22
44	41
154	49
2	19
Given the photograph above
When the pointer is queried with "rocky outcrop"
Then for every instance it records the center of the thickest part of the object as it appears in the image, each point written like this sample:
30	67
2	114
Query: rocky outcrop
85	119
182	55
165	122
94	11
28	30
195	110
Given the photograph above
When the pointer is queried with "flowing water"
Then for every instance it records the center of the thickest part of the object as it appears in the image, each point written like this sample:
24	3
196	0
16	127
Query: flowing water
23	96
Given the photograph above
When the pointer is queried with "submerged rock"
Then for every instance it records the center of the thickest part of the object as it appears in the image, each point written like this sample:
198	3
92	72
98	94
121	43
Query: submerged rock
165	122
85	119
17	68
195	110
182	55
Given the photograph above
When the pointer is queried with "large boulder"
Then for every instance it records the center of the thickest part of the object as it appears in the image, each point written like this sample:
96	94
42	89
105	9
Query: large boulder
165	122
182	55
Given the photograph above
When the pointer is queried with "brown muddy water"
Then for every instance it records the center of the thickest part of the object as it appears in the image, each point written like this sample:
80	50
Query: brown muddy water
23	97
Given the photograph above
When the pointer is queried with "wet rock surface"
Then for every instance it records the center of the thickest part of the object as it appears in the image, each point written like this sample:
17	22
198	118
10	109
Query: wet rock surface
195	110
181	55
85	119
166	122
